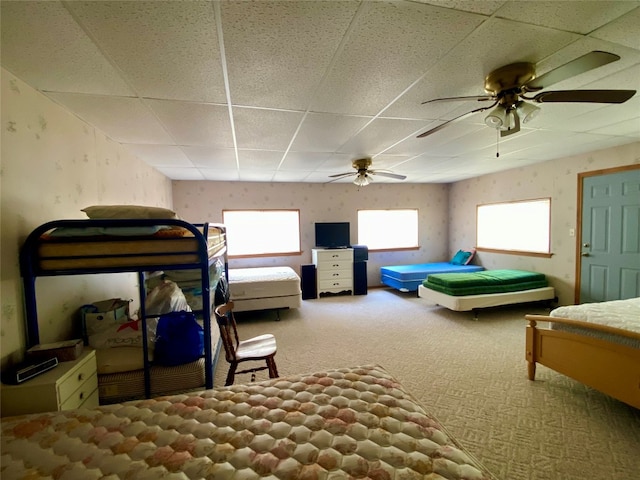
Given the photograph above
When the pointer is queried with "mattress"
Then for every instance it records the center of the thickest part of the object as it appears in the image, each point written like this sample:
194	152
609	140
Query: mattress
622	314
174	246
407	278
470	302
117	387
488	281
264	288
345	423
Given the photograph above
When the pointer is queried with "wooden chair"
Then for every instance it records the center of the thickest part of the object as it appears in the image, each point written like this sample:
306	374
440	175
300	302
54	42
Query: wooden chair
262	347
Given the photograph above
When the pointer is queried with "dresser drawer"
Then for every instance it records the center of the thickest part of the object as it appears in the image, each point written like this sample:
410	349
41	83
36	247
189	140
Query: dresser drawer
335	285
336	274
334	255
76	378
83	396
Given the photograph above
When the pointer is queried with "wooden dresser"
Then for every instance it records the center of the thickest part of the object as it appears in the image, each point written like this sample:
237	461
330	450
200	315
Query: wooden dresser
334	269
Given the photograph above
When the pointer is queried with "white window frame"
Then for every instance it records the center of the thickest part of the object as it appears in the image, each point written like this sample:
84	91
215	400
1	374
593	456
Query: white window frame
521	227
389	229
259	233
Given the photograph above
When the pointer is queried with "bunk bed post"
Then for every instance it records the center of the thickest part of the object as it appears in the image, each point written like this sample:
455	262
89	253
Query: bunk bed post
142	294
29	285
206	314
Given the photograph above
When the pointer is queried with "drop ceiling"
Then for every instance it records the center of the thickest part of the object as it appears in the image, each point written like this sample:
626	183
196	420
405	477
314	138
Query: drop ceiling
293	91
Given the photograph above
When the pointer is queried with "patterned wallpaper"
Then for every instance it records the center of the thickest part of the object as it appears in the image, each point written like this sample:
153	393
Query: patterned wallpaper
557	179
204	201
53	165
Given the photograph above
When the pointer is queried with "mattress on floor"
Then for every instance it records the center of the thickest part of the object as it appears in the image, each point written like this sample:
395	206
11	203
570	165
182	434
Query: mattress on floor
487	281
407	278
356	422
466	303
264	288
118	387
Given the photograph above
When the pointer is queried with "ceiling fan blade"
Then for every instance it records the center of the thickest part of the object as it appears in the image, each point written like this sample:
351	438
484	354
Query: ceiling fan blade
455	119
478	98
340	175
584	96
387	174
575	67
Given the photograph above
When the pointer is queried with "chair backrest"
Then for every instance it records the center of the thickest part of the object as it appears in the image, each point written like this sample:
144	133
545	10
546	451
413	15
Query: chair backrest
228	329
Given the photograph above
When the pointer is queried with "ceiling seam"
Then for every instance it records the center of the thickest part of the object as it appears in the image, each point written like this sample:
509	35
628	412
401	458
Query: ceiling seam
121	74
361	7
225	76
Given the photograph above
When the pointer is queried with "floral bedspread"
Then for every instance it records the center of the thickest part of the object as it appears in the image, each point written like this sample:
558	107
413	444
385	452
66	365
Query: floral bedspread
344	423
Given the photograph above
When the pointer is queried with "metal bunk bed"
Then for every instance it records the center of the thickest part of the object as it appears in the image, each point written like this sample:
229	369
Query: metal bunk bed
198	246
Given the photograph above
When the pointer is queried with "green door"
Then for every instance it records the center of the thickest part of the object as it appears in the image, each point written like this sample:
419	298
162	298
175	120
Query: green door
610	248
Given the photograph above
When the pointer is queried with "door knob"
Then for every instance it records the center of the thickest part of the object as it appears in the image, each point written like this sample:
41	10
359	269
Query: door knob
585	254
586	245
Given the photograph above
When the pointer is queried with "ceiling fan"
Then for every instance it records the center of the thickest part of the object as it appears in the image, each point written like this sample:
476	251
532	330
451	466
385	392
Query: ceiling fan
363	173
507	89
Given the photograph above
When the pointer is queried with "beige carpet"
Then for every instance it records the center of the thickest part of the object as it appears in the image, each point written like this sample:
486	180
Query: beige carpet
471	375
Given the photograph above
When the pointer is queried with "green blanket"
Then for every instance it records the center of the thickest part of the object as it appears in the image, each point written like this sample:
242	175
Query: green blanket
487	281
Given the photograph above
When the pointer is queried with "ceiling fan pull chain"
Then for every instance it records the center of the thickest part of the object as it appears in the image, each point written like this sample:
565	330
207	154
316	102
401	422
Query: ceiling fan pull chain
497	142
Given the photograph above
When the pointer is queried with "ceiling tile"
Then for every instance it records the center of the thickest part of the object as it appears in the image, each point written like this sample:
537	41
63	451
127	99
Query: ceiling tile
178	173
123	119
164	49
580	17
624	30
194	123
379	135
42	45
277	52
160	155
259	160
211	157
322	132
389	46
486	7
265	129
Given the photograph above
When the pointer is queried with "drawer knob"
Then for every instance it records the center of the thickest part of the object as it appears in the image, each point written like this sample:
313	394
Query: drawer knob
81	395
81	376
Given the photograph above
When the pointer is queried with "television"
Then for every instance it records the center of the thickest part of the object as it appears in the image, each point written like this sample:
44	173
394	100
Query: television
332	235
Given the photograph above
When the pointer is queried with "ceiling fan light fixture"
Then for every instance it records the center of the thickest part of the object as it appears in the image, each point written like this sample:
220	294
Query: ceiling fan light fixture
527	111
510	120
362	180
496	118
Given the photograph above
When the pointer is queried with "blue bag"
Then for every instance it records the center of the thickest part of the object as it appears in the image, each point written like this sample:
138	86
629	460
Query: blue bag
179	339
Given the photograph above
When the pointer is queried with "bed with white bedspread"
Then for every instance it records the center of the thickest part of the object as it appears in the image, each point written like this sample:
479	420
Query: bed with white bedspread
264	288
597	344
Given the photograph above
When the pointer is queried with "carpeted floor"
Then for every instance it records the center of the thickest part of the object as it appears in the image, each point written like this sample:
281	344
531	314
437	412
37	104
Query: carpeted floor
471	375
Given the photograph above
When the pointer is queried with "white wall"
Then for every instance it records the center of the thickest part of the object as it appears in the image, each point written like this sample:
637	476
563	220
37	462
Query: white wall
557	179
204	201
53	165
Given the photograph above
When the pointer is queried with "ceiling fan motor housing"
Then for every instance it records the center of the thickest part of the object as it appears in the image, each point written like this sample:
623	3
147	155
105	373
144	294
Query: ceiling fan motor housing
506	82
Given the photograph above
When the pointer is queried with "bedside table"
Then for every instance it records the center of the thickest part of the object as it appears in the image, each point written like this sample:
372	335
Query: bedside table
70	385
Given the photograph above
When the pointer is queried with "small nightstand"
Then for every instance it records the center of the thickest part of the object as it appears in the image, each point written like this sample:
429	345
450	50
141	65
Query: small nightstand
70	385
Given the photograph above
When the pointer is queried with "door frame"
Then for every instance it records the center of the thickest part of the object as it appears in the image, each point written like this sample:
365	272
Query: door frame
581	177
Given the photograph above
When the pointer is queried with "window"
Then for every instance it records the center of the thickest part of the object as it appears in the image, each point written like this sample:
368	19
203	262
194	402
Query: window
521	226
262	232
388	229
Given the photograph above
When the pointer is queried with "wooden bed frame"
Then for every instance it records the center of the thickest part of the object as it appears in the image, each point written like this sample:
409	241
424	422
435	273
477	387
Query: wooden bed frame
606	366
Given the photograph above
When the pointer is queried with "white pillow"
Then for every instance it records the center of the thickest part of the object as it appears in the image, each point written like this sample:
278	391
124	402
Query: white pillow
97	212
